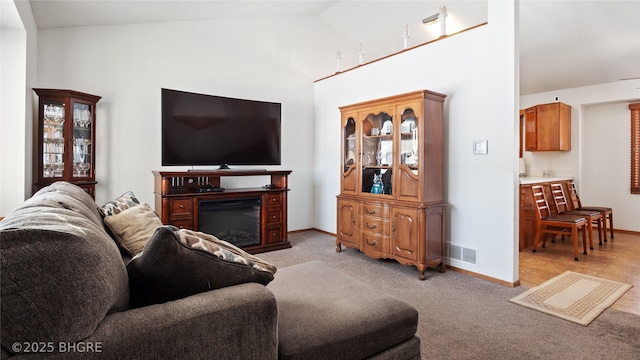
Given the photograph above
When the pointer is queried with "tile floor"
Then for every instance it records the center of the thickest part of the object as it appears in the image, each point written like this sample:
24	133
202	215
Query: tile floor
617	259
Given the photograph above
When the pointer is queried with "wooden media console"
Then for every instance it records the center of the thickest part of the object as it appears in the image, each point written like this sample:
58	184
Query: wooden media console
179	197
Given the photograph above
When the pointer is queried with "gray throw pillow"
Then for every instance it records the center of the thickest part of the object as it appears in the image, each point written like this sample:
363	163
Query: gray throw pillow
180	263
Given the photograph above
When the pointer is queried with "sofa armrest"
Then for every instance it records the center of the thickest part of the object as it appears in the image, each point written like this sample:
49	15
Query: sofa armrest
238	322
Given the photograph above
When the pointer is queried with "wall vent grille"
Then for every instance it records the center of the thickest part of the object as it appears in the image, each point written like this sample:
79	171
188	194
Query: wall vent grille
462	254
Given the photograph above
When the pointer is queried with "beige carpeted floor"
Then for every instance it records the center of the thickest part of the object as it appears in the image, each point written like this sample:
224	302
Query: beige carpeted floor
463	317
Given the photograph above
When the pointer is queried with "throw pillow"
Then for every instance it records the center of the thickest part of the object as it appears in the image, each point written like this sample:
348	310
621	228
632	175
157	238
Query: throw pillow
180	263
133	227
121	203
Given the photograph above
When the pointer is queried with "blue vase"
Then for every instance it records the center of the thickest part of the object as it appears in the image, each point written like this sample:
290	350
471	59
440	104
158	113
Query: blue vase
377	187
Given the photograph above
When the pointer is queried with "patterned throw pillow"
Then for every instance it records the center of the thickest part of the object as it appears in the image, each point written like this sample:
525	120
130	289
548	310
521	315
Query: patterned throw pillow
125	201
222	249
180	263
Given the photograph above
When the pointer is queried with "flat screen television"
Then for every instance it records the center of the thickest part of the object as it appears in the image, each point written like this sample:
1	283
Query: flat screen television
199	129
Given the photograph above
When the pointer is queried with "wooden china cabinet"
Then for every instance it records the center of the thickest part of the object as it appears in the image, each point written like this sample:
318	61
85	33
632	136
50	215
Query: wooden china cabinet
65	144
391	202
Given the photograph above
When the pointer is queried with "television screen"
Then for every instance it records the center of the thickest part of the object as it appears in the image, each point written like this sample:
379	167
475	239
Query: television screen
200	129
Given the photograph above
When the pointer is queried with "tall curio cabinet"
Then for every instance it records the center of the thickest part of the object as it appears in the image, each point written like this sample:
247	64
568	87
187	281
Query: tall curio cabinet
66	138
391	202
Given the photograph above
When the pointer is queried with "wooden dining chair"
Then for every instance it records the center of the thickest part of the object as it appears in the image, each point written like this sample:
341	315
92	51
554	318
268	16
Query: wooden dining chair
606	212
556	224
594	217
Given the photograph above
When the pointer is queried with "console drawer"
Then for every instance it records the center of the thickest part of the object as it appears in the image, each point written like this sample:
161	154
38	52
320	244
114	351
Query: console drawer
274	199
181	207
274	234
274	215
183	224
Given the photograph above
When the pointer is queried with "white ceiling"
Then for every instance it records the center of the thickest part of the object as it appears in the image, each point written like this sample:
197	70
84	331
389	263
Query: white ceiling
563	44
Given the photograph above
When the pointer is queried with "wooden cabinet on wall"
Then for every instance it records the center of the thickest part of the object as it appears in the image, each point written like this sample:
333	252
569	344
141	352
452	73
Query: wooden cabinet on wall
391	202
548	127
65	144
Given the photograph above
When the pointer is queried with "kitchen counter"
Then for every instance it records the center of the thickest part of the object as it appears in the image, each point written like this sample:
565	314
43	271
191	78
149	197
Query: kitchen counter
527	180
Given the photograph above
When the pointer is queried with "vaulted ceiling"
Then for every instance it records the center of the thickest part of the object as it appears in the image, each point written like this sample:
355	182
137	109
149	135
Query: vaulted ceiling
563	44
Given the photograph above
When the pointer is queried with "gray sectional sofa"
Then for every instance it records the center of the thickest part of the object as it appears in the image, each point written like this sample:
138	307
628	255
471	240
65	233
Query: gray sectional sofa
66	294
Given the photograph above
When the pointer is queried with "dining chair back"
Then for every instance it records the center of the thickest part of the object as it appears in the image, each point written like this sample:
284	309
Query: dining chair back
548	224
594	217
605	212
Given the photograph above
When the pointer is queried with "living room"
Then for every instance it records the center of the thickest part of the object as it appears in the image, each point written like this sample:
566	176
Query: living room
271	59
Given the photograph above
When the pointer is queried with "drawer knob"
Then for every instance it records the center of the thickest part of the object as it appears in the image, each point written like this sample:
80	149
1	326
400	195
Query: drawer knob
373	243
181	206
273	216
369	211
371	227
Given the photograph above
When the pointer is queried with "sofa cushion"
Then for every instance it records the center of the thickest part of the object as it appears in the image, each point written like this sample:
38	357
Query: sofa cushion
61	272
179	263
119	204
326	314
133	227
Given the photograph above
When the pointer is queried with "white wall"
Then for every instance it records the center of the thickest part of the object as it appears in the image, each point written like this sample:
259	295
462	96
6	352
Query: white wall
481	105
13	107
17	66
605	163
599	159
127	65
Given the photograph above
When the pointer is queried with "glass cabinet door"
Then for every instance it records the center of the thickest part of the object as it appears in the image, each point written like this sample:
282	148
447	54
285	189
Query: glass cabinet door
409	141
348	181
409	180
53	139
82	140
377	155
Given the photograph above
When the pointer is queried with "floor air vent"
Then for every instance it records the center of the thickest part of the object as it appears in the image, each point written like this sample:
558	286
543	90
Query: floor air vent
462	254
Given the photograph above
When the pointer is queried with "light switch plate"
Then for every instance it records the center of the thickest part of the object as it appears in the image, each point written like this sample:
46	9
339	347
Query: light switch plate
480	147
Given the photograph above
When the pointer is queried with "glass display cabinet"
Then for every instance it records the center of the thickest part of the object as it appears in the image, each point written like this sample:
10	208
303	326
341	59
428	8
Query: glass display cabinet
66	138
391	202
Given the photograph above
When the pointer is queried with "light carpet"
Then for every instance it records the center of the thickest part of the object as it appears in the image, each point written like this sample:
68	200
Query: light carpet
462	317
572	296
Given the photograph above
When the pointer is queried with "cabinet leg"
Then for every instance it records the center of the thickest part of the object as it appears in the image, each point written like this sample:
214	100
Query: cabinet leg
338	247
421	271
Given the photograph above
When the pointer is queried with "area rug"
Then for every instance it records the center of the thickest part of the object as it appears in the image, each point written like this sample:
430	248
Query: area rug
572	296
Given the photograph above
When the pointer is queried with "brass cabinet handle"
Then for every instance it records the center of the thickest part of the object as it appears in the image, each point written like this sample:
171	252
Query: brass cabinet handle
375	242
371	227
370	212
